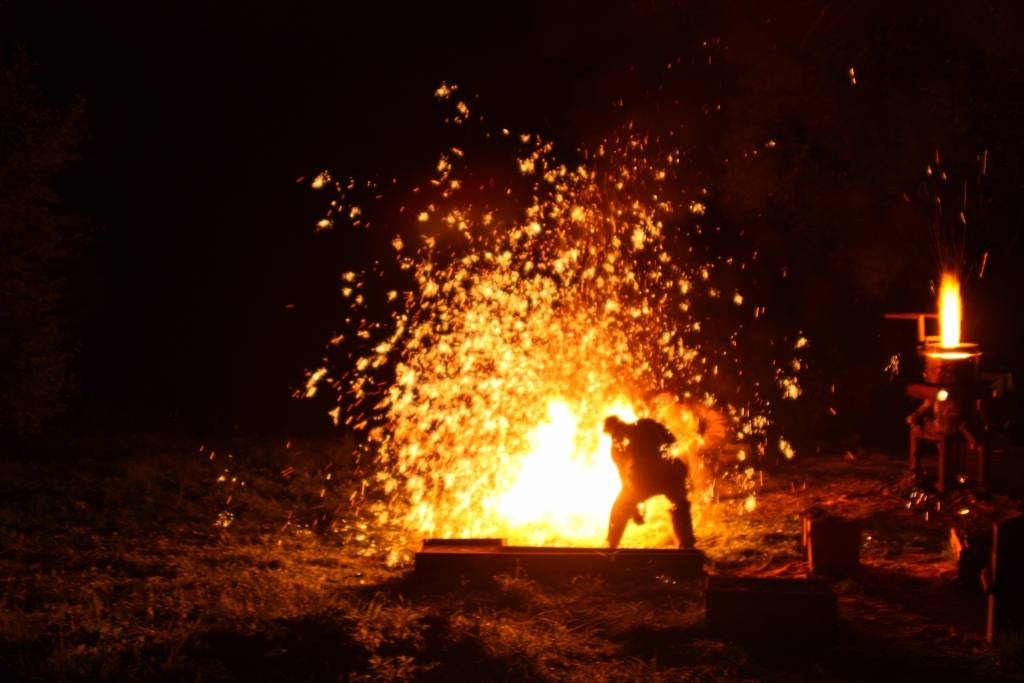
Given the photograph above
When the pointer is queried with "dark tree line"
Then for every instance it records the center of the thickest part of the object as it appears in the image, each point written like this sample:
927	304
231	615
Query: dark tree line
38	243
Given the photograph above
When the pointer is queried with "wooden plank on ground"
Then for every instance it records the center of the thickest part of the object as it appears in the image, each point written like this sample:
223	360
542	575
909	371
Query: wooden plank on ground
484	558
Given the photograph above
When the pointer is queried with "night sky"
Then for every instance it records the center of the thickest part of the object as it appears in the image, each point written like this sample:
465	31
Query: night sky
204	292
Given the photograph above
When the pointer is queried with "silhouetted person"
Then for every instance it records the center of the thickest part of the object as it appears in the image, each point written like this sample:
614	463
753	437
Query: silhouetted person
646	470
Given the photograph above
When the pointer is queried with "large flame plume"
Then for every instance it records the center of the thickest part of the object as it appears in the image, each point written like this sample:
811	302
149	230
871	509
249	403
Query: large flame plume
515	327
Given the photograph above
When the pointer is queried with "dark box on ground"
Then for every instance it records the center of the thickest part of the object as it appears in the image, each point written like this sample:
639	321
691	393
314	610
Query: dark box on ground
1003	581
793	610
832	544
972	553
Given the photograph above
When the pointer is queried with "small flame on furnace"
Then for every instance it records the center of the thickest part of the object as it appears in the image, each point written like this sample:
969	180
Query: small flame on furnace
950	311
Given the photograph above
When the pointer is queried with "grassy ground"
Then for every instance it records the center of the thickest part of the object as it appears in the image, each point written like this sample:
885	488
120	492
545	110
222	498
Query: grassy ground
170	560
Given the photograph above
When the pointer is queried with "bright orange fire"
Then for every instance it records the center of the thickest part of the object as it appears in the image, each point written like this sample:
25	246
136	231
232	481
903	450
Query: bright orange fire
950	311
563	484
520	328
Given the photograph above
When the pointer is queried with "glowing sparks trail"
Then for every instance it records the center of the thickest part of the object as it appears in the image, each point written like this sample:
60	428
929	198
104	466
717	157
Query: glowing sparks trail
520	328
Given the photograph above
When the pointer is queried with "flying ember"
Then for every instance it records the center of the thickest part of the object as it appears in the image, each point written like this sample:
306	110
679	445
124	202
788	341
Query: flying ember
520	308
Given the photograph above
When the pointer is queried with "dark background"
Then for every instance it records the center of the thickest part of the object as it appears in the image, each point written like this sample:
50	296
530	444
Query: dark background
203	292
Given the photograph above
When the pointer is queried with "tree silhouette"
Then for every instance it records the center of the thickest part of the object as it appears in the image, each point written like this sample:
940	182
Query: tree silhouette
38	240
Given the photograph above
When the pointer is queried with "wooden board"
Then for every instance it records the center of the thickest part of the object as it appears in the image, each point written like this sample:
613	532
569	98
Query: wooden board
485	558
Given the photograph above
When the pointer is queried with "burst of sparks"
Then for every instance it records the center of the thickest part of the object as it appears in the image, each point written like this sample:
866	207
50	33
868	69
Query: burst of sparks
520	329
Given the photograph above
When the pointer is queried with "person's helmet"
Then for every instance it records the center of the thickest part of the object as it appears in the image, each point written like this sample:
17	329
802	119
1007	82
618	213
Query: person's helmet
613	425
